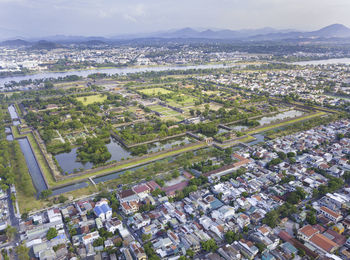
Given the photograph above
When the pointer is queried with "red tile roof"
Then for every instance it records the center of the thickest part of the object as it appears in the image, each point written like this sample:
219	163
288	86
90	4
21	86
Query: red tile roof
323	242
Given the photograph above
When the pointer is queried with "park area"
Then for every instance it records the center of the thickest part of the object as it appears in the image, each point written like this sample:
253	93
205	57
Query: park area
155	91
87	100
167	113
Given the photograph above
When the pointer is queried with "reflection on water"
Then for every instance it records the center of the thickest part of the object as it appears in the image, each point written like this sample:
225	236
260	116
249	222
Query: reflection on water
33	167
239	128
13	113
281	116
324	62
85	73
68	163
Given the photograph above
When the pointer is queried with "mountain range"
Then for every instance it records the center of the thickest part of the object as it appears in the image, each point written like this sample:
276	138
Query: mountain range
334	31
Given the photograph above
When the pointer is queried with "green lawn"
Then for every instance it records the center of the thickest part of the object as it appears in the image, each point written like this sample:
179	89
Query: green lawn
87	100
182	100
269	127
164	110
155	91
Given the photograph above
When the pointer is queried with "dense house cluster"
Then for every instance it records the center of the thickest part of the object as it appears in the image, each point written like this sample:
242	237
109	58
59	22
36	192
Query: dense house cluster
228	218
304	83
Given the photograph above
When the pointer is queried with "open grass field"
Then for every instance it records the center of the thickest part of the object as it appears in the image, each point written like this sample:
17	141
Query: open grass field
164	110
168	113
155	91
87	100
269	127
181	101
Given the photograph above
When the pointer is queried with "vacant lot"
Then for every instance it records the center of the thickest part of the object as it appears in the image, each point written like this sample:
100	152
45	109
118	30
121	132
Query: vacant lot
87	100
155	91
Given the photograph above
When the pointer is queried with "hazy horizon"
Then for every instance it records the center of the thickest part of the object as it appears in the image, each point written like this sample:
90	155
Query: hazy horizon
38	18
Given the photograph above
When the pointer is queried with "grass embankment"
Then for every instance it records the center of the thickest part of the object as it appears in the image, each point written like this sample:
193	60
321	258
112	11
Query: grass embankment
39	156
245	139
26	193
19	111
41	160
130	164
269	127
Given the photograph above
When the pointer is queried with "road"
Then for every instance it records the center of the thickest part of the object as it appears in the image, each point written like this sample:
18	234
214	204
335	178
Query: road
14	222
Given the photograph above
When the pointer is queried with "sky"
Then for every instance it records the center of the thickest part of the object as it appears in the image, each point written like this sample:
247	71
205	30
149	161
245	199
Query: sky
35	18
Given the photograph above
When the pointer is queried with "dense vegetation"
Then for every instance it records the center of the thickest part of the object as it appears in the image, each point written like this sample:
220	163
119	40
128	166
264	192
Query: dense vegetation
94	150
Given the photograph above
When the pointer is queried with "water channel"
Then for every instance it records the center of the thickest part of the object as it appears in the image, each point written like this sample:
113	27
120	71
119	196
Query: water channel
32	164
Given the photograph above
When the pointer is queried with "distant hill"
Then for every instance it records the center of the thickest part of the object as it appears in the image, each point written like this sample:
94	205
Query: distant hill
336	32
17	43
267	33
45	45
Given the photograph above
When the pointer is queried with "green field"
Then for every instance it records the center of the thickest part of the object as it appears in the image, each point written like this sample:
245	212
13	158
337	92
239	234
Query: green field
182	100
168	113
155	91
87	100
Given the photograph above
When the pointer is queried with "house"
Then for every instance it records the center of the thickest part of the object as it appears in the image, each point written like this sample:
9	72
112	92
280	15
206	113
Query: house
306	232
102	210
230	252
129	207
113	224
247	248
54	215
330	214
137	251
323	243
153	185
142	190
127	195
180	216
242	220
89	238
339	228
289	248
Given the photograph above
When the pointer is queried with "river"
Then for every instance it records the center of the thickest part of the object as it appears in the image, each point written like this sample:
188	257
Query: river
323	62
120	71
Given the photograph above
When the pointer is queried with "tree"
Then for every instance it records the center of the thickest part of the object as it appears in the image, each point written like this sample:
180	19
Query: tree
51	233
22	252
261	247
45	194
231	236
271	218
24	216
311	218
98	242
190	253
175	174
146	237
209	245
10	232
